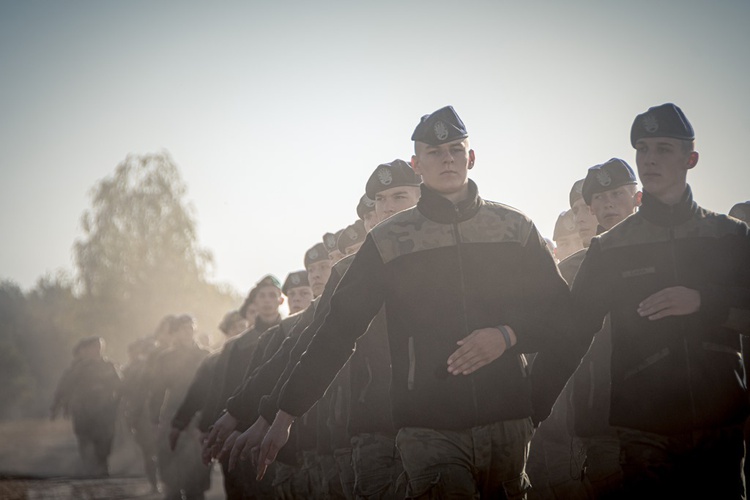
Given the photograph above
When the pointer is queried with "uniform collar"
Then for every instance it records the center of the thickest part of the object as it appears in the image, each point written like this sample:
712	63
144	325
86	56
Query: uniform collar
261	326
662	214
440	209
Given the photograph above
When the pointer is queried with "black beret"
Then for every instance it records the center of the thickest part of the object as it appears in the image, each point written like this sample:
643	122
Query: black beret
666	120
353	234
295	280
610	175
565	225
315	254
390	175
267	280
330	240
85	342
741	211
365	206
440	127
228	320
179	321
576	192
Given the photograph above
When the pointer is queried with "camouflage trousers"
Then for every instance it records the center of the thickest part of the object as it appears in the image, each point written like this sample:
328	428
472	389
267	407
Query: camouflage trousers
301	482
486	461
291	483
377	467
555	468
603	474
336	474
704	463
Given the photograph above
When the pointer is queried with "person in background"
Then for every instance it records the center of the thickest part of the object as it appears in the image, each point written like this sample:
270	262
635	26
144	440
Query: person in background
89	393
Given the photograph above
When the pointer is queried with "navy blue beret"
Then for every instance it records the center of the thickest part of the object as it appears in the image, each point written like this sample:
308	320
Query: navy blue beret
610	175
565	226
365	206
666	120
315	254
295	280
576	192
440	127
353	234
390	175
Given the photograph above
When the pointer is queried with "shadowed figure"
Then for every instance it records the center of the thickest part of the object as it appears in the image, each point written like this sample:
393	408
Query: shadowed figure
88	393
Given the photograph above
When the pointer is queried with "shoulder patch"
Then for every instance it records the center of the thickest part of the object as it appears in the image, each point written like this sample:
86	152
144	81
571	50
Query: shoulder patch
708	225
408	232
635	230
496	223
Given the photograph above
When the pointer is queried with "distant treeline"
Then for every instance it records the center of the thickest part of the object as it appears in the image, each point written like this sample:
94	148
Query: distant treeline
138	260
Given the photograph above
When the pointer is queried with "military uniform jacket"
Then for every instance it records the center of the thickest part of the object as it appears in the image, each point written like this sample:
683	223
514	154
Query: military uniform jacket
677	373
197	393
442	271
230	370
370	369
244	402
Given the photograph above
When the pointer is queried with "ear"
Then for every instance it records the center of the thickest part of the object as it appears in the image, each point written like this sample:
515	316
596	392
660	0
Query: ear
638	198
415	164
693	159
281	299
472	158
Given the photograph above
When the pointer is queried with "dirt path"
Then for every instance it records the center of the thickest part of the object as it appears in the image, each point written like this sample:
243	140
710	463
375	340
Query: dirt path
39	460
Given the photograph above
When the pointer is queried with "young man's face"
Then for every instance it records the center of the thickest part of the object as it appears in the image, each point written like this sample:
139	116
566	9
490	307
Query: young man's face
268	301
185	333
394	200
662	165
585	221
370	220
335	256
251	312
237	327
567	246
299	298
317	275
444	168
352	249
613	206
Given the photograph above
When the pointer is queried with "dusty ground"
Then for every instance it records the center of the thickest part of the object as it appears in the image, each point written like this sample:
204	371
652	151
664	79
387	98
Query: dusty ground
39	460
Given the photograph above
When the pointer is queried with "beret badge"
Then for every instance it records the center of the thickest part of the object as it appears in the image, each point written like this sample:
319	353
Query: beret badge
603	177
441	131
385	176
650	123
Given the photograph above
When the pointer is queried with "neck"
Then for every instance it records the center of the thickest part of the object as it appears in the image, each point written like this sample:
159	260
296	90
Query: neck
672	196
458	196
268	319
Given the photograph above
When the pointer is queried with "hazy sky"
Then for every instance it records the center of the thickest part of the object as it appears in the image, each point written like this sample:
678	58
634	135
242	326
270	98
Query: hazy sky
277	112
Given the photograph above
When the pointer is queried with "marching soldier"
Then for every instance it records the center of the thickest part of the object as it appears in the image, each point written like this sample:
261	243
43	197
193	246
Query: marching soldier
463	281
89	393
673	278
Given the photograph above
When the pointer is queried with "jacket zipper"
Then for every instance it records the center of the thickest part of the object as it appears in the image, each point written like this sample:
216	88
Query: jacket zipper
457	236
684	339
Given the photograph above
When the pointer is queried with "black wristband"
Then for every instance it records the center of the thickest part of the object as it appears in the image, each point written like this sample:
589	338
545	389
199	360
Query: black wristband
506	336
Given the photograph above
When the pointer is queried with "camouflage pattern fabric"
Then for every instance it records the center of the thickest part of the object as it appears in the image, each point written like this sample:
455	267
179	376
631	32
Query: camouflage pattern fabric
377	467
485	461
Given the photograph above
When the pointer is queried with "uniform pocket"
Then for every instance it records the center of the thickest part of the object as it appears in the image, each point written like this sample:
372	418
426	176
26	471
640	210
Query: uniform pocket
423	485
